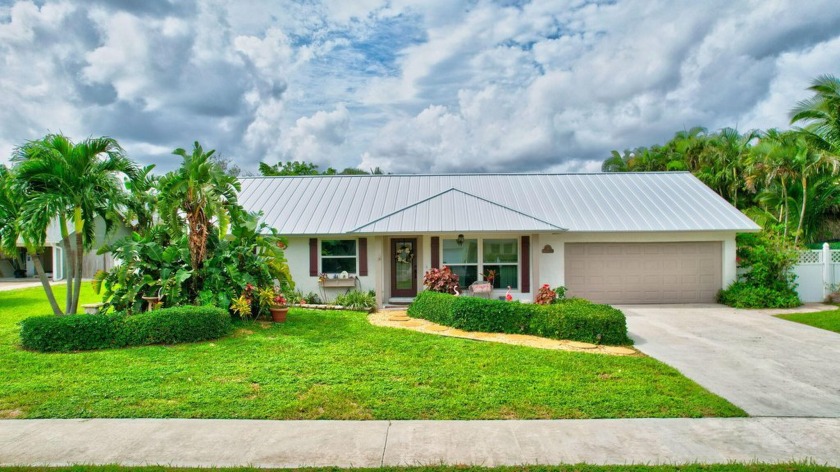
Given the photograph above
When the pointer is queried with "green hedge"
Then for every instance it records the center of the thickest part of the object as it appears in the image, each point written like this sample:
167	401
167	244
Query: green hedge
581	320
433	306
745	295
574	319
88	332
490	316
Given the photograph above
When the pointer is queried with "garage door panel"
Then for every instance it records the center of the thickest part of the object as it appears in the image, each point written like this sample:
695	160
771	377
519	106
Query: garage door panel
644	272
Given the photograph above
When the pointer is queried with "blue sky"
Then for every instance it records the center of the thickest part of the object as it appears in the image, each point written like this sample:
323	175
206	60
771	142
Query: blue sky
406	85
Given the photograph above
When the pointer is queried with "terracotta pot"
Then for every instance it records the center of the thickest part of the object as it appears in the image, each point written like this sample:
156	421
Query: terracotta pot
278	314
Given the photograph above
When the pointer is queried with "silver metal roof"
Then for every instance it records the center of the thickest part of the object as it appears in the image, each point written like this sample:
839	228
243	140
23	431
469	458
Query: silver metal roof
602	202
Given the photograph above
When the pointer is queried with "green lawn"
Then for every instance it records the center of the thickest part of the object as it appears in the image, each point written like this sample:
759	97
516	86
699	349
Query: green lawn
333	365
829	320
790	467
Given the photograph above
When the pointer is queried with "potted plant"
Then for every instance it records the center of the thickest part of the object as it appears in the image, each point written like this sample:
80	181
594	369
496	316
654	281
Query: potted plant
279	308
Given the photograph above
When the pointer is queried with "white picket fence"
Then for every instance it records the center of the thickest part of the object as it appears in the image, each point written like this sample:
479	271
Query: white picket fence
818	273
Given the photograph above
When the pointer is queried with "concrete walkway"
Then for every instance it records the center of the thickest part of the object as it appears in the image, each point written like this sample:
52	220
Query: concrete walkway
765	365
205	443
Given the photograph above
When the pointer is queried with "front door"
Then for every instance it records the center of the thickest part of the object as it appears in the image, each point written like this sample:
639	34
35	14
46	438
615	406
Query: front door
403	267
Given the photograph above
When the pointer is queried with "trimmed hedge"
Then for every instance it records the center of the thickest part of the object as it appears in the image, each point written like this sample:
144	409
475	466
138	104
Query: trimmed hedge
433	306
574	319
174	325
581	320
490	316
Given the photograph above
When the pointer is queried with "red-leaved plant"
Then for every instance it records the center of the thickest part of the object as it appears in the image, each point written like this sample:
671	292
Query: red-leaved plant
545	296
440	280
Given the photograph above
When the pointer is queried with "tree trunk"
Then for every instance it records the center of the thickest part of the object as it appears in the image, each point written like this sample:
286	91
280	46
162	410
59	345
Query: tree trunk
80	254
786	208
39	269
77	280
802	211
68	262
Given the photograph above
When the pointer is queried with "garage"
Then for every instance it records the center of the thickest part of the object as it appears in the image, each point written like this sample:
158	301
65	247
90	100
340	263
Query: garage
684	272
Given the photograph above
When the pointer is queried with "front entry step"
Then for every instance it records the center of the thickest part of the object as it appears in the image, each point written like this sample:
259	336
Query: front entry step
399	301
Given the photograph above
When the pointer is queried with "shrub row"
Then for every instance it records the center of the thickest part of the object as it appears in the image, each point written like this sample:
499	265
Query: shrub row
574	319
745	295
174	325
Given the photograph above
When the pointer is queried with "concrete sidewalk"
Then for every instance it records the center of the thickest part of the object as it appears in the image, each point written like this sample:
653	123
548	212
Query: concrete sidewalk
204	443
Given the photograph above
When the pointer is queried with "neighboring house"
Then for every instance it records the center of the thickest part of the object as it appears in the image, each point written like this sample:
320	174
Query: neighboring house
53	255
609	237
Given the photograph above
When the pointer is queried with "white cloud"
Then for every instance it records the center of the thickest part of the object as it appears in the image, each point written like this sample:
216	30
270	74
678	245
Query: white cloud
407	85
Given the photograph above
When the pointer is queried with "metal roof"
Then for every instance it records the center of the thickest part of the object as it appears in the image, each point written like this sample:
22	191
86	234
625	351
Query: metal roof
455	208
598	202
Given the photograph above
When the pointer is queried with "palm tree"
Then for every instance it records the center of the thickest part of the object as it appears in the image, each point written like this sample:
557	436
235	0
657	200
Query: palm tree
722	162
142	203
75	183
821	114
12	230
771	161
199	191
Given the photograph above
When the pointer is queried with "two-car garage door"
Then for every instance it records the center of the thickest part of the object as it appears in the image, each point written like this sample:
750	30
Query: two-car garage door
644	272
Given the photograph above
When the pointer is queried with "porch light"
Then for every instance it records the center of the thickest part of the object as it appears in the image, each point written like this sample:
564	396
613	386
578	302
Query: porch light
460	240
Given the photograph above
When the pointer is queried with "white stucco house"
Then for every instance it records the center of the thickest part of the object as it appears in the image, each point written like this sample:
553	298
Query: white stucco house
52	256
608	237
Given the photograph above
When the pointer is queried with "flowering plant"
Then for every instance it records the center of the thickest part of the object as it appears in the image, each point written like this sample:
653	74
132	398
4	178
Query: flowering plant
279	300
440	280
490	276
545	295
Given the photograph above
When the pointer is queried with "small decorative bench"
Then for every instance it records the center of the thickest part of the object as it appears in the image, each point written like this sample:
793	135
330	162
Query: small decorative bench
92	308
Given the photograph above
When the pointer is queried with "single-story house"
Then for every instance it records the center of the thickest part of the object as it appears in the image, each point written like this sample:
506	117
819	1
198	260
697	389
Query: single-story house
609	237
52	256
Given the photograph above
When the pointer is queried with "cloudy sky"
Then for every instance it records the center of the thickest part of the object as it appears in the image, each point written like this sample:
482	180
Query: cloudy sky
406	85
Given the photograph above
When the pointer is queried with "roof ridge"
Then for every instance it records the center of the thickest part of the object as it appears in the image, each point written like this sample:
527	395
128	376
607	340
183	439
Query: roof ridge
451	189
465	174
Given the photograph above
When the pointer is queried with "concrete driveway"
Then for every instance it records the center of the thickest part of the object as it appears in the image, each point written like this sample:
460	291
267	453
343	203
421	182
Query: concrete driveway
765	365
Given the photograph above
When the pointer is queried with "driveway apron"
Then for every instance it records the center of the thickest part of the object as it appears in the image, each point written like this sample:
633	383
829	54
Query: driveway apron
765	365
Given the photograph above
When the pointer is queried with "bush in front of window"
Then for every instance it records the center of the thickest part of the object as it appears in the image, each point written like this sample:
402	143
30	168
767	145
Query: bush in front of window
440	280
490	316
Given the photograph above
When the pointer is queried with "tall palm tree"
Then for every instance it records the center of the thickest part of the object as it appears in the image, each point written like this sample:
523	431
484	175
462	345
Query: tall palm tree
821	114
13	229
723	160
198	192
73	182
771	162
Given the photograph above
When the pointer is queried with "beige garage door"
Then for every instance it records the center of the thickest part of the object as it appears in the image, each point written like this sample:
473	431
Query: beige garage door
644	272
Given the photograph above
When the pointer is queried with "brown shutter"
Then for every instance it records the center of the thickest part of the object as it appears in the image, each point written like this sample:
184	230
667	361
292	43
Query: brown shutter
313	257
435	252
526	264
363	268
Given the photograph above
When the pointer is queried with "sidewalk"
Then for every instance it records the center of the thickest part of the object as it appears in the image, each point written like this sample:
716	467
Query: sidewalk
205	443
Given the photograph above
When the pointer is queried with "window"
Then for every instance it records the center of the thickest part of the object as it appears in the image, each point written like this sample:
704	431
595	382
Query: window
474	258
338	255
462	259
502	257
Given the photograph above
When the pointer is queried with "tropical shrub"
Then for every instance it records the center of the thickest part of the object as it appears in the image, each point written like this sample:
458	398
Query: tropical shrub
440	280
744	295
768	280
88	332
574	319
357	300
154	264
545	295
